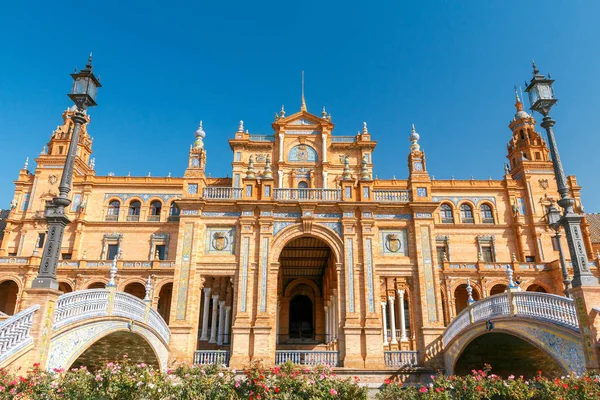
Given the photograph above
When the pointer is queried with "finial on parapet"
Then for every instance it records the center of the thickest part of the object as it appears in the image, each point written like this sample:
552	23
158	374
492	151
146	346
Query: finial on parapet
365	130
346	175
250	171
113	274
414	139
303	106
44	151
506	170
147	297
282	112
200	135
509	273
469	292
241	127
323	113
26	163
364	171
268	173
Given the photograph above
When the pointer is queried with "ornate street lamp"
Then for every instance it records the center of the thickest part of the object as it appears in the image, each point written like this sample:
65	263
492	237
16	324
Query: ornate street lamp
541	97
83	94
554	221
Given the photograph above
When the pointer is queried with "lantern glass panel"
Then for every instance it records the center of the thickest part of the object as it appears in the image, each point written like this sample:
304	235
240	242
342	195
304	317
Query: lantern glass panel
553	216
92	89
80	86
545	91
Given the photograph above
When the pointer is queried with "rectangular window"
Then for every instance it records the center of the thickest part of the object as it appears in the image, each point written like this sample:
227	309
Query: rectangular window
42	237
248	190
441	250
66	256
366	192
236	180
530	259
487	254
538	156
238	156
113	249
348	192
25	204
267	190
160	249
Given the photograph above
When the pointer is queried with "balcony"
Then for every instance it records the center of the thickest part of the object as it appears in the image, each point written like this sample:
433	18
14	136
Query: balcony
391	196
222	193
205	357
308	194
262	138
343	139
111	217
173	218
153	218
133	218
307	357
487	220
468	221
401	358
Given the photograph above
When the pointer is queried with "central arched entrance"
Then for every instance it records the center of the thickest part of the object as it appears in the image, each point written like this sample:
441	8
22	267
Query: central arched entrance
306	295
508	355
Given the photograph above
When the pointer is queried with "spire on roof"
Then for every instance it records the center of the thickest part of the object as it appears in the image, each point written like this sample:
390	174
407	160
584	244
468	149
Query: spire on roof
200	134
303	106
365	130
414	139
241	127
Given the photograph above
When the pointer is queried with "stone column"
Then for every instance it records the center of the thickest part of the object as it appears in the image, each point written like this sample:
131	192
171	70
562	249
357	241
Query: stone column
324	139
384	314
221	322
277	322
213	325
227	323
324	179
280	180
402	316
205	316
280	150
336	323
392	300
326	323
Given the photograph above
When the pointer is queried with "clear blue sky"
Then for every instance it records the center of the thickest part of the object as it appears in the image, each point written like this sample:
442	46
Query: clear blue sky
447	66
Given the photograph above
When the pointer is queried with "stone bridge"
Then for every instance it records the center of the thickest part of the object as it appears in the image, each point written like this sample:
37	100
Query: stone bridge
89	326
546	321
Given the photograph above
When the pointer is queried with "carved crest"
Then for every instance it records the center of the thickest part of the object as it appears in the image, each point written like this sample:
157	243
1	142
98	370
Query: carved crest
392	242
52	179
302	153
219	241
260	158
543	183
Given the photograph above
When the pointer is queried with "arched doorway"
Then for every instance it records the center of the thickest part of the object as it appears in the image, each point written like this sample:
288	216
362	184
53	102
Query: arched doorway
164	301
497	289
508	355
65	287
301	318
113	347
461	297
536	288
136	289
307	279
9	291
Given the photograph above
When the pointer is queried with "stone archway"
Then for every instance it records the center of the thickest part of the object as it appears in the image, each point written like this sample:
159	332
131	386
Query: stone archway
534	287
164	301
9	291
508	355
113	347
135	289
497	289
461	297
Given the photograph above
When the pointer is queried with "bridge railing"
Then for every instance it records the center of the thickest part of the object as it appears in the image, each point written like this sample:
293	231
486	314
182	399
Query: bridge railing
307	357
204	357
15	332
402	358
84	304
542	306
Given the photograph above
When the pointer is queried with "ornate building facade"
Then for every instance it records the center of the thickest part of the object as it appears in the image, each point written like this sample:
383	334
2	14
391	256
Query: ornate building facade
302	252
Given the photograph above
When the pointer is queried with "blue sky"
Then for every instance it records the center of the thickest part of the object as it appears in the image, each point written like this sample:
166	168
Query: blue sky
447	66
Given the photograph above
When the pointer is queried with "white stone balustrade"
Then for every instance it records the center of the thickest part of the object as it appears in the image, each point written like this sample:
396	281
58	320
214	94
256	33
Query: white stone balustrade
307	357
391	196
85	304
204	357
15	332
541	306
308	194
401	358
222	193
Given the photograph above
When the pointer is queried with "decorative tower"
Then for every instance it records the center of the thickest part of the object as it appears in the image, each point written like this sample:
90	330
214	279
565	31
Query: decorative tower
195	173
419	183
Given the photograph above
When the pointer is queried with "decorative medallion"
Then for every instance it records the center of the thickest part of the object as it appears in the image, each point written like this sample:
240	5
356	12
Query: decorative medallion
543	183
260	158
53	179
302	153
392	242
219	241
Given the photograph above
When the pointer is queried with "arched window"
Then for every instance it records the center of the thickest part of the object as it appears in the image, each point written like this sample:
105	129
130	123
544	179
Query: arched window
174	212
446	213
302	185
112	213
466	214
134	211
155	208
486	214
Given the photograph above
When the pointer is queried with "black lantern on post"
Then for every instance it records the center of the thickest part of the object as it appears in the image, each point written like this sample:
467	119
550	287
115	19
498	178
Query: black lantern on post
541	96
83	94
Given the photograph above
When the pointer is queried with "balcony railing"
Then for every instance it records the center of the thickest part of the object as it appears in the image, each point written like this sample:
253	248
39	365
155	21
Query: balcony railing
401	358
391	196
468	220
222	193
133	218
343	139
173	218
153	218
487	220
308	194
204	357
262	138
447	220
307	357
111	217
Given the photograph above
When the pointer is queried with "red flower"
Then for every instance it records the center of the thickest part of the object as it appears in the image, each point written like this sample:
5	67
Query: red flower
276	390
423	390
564	385
387	381
479	388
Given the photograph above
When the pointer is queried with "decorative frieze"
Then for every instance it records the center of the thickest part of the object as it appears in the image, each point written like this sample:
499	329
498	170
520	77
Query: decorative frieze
143	196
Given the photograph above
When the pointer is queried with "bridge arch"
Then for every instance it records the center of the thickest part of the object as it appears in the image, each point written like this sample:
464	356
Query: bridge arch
547	322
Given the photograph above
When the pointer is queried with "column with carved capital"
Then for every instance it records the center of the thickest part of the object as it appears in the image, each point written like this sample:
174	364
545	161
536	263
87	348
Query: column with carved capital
213	324
384	315
227	323
402	316
221	322
205	315
392	301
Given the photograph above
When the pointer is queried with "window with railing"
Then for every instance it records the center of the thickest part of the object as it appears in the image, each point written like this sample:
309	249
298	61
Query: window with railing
134	211
466	214
446	214
112	213
155	209
174	212
486	214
